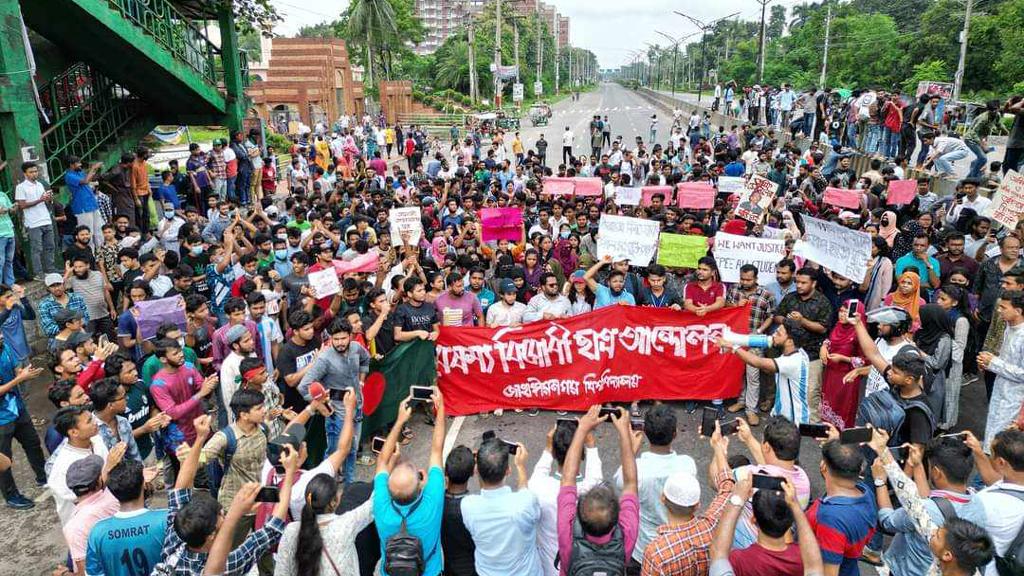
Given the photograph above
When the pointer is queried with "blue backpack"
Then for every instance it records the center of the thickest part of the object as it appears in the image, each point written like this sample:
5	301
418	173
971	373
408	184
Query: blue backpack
887	411
215	470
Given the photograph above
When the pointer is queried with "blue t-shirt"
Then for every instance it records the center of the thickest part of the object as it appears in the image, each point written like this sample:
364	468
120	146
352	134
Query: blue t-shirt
911	261
127	543
168	193
424	523
83	199
604	297
128	328
843	526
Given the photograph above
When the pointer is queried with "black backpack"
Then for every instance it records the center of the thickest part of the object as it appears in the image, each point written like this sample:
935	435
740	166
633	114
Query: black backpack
589	559
1011	563
403	552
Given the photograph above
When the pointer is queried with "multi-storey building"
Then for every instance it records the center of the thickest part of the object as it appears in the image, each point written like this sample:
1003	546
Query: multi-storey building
443	18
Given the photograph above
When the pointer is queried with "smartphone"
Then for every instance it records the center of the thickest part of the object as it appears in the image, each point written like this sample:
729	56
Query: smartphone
421	393
570	423
851	309
900	453
103	340
608	411
765	482
729	427
855	435
268	494
814	430
377	444
707	422
512	447
636	424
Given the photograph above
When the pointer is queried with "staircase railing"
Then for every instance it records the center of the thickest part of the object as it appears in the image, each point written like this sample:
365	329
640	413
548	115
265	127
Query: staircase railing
87	111
187	43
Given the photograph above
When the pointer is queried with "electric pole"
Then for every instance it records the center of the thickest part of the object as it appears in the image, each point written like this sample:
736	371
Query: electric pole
760	49
704	27
540	50
958	82
824	56
473	91
515	46
497	54
558	56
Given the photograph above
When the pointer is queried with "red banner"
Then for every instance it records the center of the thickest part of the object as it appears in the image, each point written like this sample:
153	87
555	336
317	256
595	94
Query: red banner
842	198
901	192
696	195
615	354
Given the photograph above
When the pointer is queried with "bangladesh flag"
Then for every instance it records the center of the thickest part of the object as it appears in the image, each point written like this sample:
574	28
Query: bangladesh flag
410	364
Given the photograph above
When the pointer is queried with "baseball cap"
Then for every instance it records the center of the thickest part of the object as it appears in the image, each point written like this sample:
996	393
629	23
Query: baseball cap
507	286
53	278
292	436
63	316
888	315
235	333
682	489
577	277
77	339
84	473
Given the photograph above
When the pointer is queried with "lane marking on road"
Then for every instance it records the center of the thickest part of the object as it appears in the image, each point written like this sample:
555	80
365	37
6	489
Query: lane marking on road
42	496
452	436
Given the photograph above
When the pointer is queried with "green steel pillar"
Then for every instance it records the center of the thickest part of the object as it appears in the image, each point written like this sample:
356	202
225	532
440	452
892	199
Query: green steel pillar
19	119
229	54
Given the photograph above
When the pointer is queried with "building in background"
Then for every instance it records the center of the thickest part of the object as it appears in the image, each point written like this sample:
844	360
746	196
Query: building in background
443	18
305	80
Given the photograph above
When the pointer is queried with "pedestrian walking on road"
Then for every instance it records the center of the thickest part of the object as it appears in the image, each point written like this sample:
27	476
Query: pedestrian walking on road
567	139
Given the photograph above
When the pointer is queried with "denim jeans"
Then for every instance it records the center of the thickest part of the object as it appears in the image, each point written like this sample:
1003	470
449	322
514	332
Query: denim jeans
7	260
980	159
242	187
892	143
944	163
873	142
41	241
231	189
923	153
334	424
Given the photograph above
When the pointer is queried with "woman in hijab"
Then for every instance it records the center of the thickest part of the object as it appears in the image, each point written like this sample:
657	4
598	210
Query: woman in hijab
888	229
878	280
523	291
908	297
935	339
564	252
439	249
555	267
839	355
953	299
532	268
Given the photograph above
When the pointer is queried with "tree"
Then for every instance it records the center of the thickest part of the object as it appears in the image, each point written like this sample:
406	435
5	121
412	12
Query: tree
776	23
253	15
333	29
373	20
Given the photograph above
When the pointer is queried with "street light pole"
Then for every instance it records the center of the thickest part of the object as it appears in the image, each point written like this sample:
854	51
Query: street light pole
760	50
961	67
704	27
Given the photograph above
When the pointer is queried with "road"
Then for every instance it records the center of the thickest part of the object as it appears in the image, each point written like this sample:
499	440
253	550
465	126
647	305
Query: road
36	533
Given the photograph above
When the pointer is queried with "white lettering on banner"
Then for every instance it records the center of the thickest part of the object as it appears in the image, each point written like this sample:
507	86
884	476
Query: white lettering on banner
622	237
732	252
559	346
591	384
844	251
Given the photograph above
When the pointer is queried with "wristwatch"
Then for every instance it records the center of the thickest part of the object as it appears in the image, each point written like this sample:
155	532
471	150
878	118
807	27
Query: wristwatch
879	482
736	500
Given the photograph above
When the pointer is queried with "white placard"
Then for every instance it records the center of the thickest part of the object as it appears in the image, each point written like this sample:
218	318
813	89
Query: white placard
1007	204
756	198
844	251
730	184
405	220
538	88
625	238
324	282
732	252
517	92
625	196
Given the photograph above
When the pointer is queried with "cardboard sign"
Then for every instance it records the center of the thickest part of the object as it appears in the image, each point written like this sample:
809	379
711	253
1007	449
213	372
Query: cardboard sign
154	313
757	196
696	195
625	238
730	184
842	198
1007	204
681	250
836	247
501	224
589	186
901	192
649	192
405	220
625	196
324	283
732	252
558	186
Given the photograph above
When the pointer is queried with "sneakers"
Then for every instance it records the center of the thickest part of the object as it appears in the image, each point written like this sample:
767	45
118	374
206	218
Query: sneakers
533	412
19	502
691	407
737	407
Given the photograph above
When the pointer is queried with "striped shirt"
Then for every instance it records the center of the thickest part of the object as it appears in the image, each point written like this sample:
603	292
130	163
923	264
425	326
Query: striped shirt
791	385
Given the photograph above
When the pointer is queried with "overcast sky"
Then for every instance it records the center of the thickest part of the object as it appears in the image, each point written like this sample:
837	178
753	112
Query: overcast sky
609	28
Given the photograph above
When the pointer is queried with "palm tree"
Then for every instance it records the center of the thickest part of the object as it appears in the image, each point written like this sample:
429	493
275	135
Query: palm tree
801	14
453	66
374	20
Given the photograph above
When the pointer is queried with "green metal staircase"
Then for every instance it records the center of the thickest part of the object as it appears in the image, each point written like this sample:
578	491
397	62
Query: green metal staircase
140	63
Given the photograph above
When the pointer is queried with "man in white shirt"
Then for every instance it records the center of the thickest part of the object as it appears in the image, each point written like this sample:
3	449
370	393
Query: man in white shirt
653	468
549	304
240	340
945	151
81	438
567	140
32	197
546	486
506	311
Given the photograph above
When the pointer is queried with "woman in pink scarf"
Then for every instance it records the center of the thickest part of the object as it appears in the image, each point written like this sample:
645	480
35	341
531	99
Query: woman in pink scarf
888	229
840	354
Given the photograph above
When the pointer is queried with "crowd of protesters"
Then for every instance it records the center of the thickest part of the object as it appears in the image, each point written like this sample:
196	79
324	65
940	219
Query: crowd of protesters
249	410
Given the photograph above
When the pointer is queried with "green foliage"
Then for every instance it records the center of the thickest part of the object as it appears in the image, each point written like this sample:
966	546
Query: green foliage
926	71
280	142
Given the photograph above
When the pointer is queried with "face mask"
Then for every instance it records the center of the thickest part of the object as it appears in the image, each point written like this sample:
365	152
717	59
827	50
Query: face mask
196	250
564	235
282	236
169	214
280	254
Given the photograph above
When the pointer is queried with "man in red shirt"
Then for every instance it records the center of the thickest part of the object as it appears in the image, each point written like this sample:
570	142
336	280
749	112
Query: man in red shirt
705	295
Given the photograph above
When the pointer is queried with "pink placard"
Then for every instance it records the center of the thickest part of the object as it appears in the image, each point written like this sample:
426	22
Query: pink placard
649	192
589	186
363	263
842	197
559	186
901	191
696	195
501	224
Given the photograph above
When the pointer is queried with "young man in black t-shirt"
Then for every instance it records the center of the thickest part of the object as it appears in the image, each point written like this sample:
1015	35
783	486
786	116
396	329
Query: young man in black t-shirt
296	356
416	318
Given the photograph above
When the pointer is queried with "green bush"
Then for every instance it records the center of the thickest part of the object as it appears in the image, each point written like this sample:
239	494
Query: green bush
280	142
